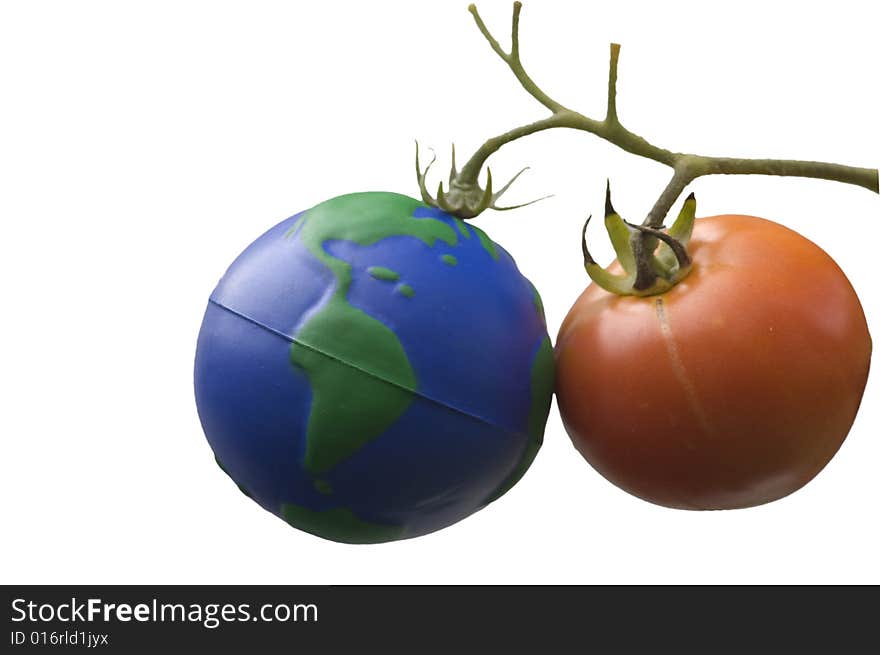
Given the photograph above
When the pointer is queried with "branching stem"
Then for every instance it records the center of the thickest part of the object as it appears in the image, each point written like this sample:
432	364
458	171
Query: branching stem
686	167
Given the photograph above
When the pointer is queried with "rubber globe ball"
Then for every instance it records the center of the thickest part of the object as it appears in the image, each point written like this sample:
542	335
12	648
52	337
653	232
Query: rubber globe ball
373	369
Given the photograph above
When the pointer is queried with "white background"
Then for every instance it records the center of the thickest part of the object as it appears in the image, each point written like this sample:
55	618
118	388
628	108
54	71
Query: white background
144	144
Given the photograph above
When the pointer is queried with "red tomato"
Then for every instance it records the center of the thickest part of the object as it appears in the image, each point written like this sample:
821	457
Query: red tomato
734	388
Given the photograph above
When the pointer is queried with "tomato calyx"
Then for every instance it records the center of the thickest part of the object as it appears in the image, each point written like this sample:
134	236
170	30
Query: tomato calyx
653	260
465	197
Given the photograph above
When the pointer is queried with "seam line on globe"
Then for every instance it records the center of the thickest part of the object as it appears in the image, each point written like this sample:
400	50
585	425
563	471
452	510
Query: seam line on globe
415	392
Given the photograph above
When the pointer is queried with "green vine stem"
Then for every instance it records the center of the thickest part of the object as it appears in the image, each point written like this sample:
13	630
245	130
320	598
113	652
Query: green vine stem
467	199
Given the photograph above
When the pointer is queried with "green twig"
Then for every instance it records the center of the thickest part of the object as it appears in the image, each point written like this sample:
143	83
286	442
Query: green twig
686	167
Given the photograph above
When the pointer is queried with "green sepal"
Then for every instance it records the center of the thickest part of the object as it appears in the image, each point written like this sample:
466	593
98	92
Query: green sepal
683	226
681	231
617	284
620	234
622	285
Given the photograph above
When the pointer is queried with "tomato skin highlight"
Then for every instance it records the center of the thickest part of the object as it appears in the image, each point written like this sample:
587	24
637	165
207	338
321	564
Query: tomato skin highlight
734	388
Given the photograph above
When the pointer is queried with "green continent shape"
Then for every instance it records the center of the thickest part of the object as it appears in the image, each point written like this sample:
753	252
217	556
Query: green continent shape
352	402
360	376
339	524
487	243
405	290
539	304
452	260
382	273
541	381
323	487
